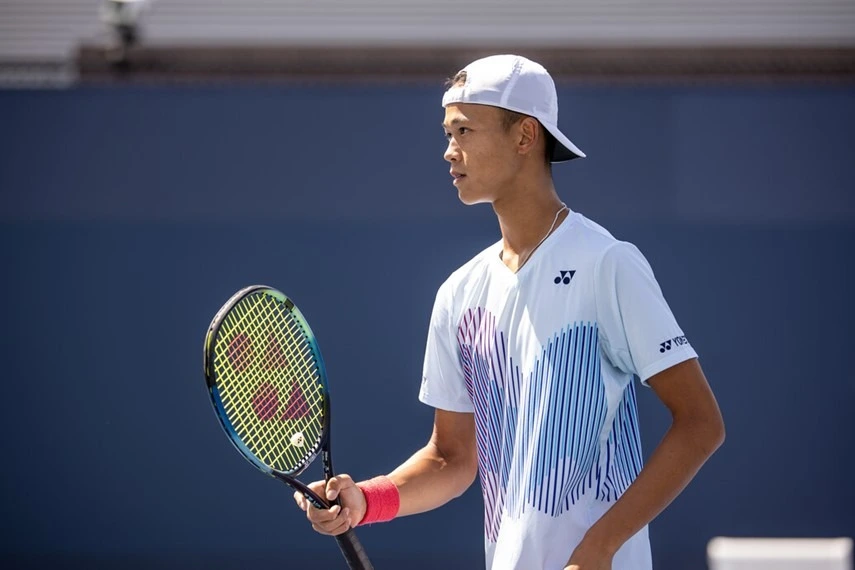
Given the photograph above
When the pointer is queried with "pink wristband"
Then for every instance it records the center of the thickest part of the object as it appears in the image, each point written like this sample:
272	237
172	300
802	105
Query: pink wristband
382	500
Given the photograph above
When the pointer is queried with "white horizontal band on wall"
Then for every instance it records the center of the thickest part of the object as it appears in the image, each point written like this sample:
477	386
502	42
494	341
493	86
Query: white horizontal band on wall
52	29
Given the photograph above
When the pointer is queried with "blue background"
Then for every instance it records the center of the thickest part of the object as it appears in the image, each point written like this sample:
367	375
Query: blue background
128	215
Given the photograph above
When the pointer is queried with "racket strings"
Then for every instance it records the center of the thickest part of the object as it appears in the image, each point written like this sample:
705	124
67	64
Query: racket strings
303	359
264	437
270	383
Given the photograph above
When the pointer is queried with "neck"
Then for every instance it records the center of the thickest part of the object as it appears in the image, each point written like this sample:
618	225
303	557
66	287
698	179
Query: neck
526	217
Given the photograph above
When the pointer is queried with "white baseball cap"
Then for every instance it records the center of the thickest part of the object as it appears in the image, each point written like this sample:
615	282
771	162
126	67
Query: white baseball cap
518	84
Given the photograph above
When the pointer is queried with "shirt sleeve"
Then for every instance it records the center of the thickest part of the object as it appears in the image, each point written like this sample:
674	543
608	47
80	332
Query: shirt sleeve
638	331
443	384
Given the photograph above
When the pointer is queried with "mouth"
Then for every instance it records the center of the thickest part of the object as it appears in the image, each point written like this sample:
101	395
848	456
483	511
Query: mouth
457	177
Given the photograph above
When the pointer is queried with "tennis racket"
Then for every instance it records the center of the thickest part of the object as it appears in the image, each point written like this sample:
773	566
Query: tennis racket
268	385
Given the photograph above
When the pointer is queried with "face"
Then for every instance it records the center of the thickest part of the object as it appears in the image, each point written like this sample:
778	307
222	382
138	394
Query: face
483	155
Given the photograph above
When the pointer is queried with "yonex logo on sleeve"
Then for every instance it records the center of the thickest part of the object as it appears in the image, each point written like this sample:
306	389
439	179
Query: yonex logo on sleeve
565	277
677	341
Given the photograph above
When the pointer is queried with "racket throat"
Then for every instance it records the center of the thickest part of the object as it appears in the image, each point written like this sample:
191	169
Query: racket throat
317	501
327	460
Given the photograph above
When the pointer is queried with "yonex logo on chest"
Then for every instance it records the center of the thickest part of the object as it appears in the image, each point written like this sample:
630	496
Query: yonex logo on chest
565	276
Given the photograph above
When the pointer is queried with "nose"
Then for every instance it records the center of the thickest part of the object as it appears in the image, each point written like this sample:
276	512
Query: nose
452	152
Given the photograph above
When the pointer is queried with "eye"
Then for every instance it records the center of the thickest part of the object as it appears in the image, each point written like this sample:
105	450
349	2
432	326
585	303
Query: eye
459	131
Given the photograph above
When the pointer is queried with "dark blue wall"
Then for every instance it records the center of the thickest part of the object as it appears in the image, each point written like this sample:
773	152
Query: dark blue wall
127	216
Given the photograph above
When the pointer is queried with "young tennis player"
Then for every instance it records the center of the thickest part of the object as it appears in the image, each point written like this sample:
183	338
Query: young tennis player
530	359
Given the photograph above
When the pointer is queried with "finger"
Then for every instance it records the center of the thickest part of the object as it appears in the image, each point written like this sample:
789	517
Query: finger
300	500
322	516
303	501
328	521
333	488
335	532
338	526
318	488
336	485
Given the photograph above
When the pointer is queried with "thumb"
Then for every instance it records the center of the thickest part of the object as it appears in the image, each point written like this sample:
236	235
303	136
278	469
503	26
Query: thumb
338	484
333	488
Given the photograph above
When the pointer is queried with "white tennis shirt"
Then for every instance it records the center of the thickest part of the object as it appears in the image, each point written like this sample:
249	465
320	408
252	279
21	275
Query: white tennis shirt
545	360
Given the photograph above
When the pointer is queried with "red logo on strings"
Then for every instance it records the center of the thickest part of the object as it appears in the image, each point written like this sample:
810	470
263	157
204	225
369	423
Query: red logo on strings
239	352
274	359
297	406
265	401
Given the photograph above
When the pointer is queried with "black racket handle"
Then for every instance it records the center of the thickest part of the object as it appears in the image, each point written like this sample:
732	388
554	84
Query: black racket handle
350	546
353	552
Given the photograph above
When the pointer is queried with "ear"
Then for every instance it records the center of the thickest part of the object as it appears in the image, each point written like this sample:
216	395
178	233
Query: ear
529	135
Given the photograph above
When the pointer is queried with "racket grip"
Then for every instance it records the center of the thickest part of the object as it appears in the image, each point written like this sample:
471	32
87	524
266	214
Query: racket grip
353	552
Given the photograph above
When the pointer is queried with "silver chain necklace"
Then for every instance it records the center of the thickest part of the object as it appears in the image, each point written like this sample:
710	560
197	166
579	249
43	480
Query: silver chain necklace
543	239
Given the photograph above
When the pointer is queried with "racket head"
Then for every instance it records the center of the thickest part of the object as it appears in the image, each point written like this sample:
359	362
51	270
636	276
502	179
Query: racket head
267	381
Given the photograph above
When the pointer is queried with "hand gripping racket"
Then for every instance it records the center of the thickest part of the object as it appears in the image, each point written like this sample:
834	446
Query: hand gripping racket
269	388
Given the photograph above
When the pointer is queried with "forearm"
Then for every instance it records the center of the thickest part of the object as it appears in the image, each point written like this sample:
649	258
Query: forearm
673	464
430	479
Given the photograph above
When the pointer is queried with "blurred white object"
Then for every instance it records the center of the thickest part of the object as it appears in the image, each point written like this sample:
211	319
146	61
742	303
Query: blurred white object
124	19
725	553
122	12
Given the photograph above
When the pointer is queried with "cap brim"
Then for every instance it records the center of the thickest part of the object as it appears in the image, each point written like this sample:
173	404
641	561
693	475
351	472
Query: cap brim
564	149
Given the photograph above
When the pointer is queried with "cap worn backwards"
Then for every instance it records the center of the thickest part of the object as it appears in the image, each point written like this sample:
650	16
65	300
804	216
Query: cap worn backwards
517	84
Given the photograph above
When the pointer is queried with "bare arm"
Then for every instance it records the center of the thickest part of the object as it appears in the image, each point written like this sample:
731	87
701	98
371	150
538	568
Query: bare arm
696	431
440	471
443	469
